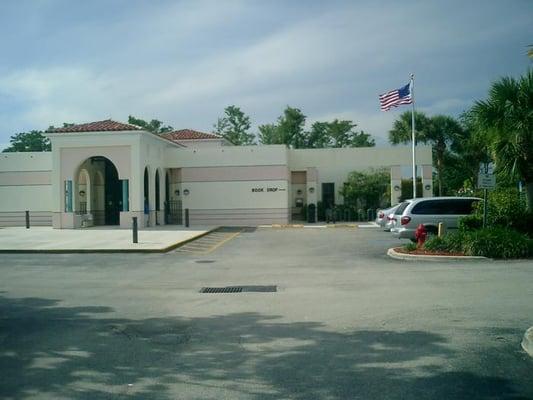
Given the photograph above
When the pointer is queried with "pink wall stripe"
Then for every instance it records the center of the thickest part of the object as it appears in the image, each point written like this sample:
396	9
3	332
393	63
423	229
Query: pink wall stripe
226	174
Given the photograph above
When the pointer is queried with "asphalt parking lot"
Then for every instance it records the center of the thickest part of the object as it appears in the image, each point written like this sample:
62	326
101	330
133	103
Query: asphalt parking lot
347	322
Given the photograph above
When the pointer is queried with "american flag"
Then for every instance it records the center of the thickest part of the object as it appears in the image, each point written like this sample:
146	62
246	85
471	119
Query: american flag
394	98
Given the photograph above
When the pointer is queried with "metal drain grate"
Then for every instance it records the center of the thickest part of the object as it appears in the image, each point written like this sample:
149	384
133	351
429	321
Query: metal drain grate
239	289
204	261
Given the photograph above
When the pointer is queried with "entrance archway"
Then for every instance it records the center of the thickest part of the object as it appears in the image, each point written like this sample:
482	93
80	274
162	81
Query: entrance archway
157	192
157	198
99	191
146	191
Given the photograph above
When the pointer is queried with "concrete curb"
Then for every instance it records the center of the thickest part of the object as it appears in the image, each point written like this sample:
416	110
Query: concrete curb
370	225
417	257
300	226
108	251
342	226
527	342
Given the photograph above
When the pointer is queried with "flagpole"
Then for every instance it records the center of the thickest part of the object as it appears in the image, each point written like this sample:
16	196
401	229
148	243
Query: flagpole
413	139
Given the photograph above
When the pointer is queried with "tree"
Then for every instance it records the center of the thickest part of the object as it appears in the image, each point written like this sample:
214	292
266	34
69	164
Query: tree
470	152
154	126
28	141
235	126
318	137
291	128
269	134
506	117
441	131
337	134
366	189
343	135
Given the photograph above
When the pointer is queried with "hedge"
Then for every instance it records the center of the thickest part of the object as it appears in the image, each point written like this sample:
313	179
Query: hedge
489	242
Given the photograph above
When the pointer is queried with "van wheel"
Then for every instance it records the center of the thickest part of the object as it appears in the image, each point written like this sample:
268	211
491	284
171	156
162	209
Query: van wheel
432	230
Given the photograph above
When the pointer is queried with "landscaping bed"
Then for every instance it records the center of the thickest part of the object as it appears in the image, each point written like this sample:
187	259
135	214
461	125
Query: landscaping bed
425	252
494	242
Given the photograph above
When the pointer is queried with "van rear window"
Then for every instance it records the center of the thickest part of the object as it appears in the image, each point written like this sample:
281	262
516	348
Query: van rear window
401	208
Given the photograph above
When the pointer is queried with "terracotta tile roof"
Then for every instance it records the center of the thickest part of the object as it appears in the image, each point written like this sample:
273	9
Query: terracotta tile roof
189	134
98	126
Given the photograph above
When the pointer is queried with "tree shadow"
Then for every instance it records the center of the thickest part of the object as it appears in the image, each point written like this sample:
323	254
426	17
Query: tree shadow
49	351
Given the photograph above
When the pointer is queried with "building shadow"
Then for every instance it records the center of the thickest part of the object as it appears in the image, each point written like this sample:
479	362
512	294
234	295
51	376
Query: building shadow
51	351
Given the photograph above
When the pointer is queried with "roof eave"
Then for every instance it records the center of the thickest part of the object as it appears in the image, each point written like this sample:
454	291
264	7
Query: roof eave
82	133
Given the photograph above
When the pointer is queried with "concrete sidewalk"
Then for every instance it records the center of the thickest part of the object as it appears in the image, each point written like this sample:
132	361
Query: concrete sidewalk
96	239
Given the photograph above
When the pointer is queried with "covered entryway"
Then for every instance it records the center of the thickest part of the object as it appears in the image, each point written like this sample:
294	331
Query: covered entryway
98	192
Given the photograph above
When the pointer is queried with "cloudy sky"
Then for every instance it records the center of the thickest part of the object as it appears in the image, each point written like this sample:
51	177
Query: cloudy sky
184	61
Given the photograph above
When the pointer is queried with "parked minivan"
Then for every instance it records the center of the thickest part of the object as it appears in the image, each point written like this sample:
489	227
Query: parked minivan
382	218
429	211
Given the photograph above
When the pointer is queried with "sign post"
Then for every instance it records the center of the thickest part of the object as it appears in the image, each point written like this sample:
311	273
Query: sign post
486	180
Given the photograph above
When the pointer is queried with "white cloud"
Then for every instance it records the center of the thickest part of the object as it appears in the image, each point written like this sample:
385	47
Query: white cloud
179	62
56	95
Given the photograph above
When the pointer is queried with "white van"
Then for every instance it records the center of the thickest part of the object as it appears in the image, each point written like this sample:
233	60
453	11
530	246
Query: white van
430	211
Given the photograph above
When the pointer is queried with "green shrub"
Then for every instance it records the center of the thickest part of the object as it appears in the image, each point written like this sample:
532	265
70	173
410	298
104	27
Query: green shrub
489	242
410	247
470	223
507	209
497	243
320	211
435	243
451	242
303	213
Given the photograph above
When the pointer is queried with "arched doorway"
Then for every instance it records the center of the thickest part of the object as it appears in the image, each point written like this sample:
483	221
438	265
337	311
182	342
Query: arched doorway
146	191
157	197
83	192
167	188
99	191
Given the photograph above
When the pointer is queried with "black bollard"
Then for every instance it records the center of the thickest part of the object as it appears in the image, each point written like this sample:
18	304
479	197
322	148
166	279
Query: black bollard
186	218
27	220
135	230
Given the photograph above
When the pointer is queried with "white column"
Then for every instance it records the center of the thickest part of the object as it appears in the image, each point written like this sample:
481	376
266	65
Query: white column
312	188
427	180
395	184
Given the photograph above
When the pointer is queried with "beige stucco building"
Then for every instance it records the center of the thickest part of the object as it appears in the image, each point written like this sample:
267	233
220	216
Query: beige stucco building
106	172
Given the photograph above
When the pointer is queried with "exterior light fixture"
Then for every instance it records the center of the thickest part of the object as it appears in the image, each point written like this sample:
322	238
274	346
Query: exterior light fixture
396	188
427	187
186	192
311	190
82	193
299	191
177	192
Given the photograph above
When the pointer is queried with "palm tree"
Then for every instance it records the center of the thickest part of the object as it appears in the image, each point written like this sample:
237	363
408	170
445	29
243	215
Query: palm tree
473	150
507	118
441	131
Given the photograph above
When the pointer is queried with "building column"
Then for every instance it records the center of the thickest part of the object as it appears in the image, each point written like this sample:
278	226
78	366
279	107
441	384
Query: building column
395	184
427	180
312	188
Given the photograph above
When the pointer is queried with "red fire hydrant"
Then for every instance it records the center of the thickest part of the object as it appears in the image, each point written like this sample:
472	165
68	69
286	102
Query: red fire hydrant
421	235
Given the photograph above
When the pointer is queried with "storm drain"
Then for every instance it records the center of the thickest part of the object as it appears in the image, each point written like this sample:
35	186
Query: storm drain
239	289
